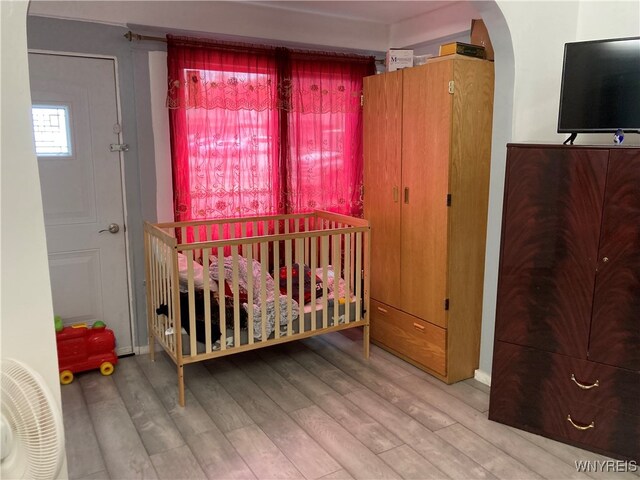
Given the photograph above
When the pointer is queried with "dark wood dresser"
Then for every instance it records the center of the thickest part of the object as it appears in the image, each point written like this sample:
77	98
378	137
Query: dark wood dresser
566	360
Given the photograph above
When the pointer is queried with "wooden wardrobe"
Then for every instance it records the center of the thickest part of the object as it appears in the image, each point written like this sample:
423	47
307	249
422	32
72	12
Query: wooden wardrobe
427	149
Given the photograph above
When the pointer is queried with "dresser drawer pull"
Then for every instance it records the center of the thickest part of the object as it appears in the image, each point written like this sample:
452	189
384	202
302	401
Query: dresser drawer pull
581	427
417	326
383	310
582	385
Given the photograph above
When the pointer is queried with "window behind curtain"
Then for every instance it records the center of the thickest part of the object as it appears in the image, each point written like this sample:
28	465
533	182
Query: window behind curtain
257	131
224	133
325	135
232	150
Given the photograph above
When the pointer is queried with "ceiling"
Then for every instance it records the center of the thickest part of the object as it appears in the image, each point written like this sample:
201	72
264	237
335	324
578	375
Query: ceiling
384	12
363	26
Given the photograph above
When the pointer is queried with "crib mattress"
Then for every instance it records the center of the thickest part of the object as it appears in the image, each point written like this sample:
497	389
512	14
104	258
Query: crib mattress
295	327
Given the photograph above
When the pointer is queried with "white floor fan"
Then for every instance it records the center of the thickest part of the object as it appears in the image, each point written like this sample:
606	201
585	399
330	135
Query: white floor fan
31	430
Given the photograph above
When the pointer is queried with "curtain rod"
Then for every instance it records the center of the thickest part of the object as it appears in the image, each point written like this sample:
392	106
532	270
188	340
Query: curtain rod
135	36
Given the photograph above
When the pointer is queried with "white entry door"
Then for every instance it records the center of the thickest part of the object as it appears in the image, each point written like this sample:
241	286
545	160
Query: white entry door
75	115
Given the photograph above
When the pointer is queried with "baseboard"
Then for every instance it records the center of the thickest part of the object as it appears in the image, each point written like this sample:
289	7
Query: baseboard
143	350
483	377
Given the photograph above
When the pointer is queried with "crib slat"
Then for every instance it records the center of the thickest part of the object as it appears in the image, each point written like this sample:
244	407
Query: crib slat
192	305
162	291
177	325
301	279
168	279
336	277
264	253
347	278
197	254
221	299
206	286
358	275
255	246
307	243
299	251
314	267
276	269
250	296
324	253
287	256
352	241
163	271
236	296
243	234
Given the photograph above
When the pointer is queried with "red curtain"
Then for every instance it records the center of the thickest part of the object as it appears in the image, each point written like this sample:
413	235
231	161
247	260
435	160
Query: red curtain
259	130
324	161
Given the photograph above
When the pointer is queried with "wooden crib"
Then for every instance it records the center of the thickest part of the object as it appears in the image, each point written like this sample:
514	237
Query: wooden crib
219	287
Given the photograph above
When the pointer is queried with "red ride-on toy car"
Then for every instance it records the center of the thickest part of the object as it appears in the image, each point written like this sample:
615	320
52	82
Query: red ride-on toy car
81	348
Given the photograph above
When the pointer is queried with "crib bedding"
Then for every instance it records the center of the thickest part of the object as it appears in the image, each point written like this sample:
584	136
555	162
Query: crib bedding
271	290
334	292
272	294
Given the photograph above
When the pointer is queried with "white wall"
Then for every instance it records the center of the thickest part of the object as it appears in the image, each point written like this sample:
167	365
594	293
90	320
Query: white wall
26	312
161	135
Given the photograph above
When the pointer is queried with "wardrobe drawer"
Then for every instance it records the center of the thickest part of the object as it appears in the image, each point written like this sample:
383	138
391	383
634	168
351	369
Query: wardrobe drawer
410	336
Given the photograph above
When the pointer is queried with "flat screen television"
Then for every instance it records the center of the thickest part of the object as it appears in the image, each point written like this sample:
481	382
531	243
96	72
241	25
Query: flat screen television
600	86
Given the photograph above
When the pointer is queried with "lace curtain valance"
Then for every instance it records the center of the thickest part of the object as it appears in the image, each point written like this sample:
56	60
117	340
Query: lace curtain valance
235	77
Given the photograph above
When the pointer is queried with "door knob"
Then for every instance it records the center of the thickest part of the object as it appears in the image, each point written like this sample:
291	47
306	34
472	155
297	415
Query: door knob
113	228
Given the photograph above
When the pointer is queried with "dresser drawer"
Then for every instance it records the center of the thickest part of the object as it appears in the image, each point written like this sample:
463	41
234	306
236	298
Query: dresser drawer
420	341
607	430
600	385
537	372
538	391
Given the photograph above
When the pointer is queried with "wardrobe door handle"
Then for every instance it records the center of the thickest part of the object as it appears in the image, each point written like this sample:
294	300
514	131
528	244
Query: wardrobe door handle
406	194
582	385
395	194
581	427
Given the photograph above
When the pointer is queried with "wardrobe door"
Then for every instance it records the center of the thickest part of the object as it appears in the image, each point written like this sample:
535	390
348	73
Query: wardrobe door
382	167
426	116
550	233
615	328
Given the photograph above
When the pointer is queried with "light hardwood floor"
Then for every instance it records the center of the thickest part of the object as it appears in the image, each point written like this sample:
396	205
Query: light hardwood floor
313	409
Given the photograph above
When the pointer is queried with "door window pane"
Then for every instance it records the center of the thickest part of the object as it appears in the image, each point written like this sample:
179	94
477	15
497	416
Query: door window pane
51	130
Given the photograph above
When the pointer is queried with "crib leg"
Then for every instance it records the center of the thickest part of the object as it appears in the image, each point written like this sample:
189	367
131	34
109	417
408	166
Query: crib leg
365	341
152	347
181	385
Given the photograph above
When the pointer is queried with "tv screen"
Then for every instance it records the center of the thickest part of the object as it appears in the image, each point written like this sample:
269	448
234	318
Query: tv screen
600	86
